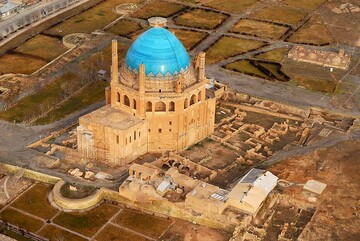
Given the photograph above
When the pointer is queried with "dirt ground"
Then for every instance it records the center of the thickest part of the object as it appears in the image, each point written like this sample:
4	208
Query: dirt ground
337	208
185	231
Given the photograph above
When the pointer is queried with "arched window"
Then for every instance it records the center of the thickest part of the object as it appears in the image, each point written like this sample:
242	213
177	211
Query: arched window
134	104
193	99
199	96
171	106
148	106
118	97
160	106
126	100
186	103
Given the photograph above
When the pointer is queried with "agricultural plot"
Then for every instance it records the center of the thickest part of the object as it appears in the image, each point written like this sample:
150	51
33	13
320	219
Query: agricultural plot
202	19
157	9
316	84
245	67
124	27
281	14
313	32
53	233
276	55
114	233
95	18
89	95
189	38
227	47
87	223
304	4
233	6
259	29
30	106
35	202
19	219
24	64
149	225
42	46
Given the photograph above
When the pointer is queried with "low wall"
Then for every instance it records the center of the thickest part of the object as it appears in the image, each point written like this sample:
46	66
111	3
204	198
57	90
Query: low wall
70	204
41	177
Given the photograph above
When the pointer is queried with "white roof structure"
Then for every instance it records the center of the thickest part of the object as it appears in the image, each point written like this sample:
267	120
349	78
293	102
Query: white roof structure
252	190
163	186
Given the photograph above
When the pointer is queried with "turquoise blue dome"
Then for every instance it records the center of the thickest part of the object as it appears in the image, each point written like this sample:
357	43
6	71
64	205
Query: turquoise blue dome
160	51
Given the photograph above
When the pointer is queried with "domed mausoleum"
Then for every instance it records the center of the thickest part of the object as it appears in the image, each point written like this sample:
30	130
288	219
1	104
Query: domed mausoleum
157	101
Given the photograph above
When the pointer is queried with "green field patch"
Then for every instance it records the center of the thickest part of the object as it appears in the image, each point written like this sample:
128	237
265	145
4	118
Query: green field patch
313	32
86	22
35	201
18	64
245	67
259	29
227	47
53	233
198	18
157	9
233	6
87	223
89	95
21	220
189	38
281	14
273	55
273	71
319	85
31	106
113	233
305	4
45	47
143	223
124	27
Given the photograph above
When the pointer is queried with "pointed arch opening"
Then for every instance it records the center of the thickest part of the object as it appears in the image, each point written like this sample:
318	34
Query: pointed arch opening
171	106
118	97
148	106
126	101
160	106
193	99
186	103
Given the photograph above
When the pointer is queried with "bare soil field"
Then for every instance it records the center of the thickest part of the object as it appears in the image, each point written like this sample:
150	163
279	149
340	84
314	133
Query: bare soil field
304	4
227	47
42	46
95	18
185	231
198	18
313	32
157	8
189	38
337	208
259	29
124	27
276	55
281	14
24	64
233	6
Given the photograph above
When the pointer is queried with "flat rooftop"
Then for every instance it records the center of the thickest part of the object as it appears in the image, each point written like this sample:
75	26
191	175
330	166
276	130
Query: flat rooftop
111	117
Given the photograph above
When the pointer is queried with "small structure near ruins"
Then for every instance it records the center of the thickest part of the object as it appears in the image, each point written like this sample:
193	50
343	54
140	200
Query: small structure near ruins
148	182
325	58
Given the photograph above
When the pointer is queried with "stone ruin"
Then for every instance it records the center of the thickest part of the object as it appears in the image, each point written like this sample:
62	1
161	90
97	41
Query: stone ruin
339	60
343	8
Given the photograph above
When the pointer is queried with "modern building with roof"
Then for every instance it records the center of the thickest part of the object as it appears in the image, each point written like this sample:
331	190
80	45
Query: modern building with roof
157	101
251	191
